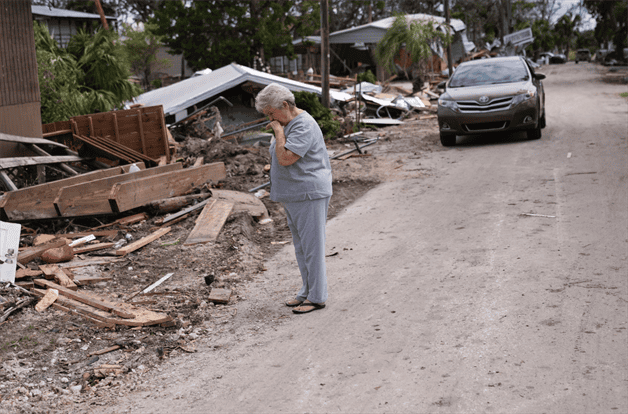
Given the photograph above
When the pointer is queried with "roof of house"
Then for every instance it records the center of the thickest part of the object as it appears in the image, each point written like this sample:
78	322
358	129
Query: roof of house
177	97
373	32
67	14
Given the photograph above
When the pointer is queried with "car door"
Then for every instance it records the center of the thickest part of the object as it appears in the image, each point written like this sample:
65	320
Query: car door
539	88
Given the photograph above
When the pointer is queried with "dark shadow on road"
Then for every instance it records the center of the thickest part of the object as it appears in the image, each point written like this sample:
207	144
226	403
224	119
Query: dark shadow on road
496	138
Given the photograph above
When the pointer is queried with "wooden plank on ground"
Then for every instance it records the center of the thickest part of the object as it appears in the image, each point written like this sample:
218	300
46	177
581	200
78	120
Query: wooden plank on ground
210	222
82	297
59	275
175	216
22	273
88	262
219	295
34	252
37	202
99	233
72	306
92	198
126	221
242	202
87	280
92	247
142	242
131	194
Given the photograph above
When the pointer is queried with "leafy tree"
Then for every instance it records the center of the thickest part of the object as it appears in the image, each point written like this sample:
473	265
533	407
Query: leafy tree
565	29
214	33
544	38
612	23
311	103
141	48
91	75
414	36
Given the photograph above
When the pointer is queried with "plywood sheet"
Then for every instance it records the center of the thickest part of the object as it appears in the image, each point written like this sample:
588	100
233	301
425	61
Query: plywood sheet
210	222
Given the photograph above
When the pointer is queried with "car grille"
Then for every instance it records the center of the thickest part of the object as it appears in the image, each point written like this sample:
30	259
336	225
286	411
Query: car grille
497	104
485	126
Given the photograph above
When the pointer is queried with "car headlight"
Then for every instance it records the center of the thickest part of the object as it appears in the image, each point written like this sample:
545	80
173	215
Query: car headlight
523	97
447	103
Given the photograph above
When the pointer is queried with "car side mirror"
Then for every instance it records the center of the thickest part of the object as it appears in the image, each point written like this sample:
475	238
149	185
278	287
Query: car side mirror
442	85
539	76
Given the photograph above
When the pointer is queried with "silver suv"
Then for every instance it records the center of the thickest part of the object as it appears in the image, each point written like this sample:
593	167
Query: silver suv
500	94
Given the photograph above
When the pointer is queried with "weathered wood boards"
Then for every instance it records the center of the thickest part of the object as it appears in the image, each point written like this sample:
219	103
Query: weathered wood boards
140	129
34	252
24	161
37	202
210	222
131	194
28	140
142	242
242	202
92	198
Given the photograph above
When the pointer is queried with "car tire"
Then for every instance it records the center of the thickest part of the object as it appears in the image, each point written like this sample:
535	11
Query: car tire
542	122
448	140
534	133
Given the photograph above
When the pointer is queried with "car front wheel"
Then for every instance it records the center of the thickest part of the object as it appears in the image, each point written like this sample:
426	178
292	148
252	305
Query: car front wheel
534	133
448	140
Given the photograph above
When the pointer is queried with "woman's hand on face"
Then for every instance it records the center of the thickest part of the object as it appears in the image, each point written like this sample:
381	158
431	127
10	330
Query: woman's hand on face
276	126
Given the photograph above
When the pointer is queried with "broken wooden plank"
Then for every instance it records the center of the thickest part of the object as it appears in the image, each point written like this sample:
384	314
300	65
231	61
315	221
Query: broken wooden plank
167	205
131	194
142	242
88	262
99	233
125	221
22	273
6	180
48	299
92	198
82	297
75	307
242	202
219	295
184	212
92	248
105	351
29	140
37	202
34	252
24	161
210	222
87	280
59	275
63	166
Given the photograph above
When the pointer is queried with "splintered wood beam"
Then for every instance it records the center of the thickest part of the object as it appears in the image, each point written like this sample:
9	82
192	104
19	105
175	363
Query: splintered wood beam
131	194
81	297
92	198
54	271
37	202
142	242
210	222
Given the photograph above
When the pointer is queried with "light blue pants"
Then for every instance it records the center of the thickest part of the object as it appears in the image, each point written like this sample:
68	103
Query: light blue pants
306	220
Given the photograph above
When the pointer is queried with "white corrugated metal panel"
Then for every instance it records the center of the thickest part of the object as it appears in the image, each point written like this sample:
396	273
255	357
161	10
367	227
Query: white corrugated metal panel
68	14
176	98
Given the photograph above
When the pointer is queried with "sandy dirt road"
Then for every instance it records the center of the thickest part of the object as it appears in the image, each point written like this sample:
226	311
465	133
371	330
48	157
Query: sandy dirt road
444	295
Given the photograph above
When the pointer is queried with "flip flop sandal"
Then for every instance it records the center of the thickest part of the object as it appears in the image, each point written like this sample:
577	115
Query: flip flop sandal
294	302
308	307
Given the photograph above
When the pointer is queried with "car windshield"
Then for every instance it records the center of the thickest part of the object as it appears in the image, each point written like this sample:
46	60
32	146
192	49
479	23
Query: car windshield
488	73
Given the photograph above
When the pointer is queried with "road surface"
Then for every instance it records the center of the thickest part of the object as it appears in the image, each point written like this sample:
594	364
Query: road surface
498	284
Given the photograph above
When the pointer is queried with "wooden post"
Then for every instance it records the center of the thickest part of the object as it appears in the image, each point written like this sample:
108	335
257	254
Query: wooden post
325	52
141	131
450	62
164	133
115	126
91	126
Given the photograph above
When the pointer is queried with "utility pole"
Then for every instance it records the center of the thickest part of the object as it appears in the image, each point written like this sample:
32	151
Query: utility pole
103	19
450	62
325	53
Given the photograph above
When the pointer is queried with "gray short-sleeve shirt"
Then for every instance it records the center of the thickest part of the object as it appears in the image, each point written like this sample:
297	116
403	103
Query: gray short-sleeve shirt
309	178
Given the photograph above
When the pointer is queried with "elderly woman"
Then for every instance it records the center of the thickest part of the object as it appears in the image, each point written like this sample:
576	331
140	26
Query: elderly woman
300	177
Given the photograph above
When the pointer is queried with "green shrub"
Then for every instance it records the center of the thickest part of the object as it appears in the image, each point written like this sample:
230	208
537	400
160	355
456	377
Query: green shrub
367	77
311	103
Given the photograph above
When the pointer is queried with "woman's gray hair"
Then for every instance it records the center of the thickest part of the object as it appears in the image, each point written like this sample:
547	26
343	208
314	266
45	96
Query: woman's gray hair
273	96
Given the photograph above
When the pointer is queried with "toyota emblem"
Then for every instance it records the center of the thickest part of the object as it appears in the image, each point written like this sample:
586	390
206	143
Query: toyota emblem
483	99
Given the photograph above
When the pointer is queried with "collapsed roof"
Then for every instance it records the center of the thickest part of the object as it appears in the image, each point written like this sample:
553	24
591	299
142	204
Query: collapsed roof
179	99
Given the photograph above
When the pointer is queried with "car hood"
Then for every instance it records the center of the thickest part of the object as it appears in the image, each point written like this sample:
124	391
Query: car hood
492	91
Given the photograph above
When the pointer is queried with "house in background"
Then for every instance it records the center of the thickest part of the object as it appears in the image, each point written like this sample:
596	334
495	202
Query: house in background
63	24
355	41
